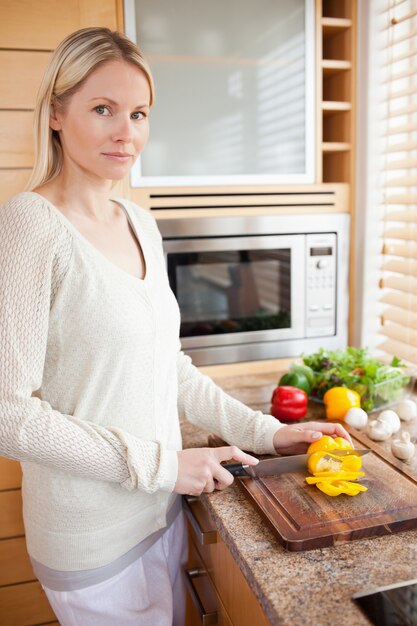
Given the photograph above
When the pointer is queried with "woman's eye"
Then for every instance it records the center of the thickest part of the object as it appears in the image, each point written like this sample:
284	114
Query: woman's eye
138	115
102	110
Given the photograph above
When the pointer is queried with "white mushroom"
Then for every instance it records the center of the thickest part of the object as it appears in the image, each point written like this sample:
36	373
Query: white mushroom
378	430
403	448
407	410
358	418
392	419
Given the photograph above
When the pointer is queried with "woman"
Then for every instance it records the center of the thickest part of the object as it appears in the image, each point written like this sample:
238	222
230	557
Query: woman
92	378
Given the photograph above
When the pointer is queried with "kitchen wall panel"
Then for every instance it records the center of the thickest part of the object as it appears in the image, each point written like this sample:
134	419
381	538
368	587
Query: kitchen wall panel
20	75
16	139
40	25
29	31
12	181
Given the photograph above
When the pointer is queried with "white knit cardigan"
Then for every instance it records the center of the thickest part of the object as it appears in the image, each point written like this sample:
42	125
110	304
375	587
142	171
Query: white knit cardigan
91	383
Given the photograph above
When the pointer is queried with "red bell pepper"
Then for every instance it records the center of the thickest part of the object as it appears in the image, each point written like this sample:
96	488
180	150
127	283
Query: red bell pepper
289	404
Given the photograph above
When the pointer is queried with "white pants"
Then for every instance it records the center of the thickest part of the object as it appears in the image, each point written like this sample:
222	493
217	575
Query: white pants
149	592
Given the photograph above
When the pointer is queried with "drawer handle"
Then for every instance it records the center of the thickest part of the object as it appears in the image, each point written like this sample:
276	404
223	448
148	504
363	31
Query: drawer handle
206	618
203	536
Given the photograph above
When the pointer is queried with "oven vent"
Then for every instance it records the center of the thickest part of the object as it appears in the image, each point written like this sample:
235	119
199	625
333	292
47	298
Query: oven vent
323	197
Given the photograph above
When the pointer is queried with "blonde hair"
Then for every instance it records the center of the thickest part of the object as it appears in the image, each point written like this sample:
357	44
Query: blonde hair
76	57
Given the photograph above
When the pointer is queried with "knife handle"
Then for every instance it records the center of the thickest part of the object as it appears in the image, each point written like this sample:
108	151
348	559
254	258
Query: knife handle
237	469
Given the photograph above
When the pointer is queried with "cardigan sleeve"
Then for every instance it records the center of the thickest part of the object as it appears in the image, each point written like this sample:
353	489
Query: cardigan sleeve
35	249
205	404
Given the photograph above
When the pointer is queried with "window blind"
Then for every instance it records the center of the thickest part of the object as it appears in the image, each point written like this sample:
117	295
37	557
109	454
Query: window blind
398	151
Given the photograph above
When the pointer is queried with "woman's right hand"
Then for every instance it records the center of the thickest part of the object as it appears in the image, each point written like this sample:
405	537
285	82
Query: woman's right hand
200	469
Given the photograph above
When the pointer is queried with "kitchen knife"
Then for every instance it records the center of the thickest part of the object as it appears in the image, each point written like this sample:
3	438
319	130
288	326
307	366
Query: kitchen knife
282	464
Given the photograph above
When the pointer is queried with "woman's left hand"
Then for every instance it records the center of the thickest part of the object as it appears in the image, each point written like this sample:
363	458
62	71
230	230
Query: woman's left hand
295	438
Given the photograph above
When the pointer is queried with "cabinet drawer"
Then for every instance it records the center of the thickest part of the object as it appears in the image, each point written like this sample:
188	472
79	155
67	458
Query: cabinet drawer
238	598
11	521
10	473
24	604
203	603
15	566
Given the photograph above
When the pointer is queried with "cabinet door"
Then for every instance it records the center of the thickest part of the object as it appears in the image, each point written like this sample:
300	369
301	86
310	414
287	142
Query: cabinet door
11	519
10	471
240	602
15	565
203	603
235	91
24	604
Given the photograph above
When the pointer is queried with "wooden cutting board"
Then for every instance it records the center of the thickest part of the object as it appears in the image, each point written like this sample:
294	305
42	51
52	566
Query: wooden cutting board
302	517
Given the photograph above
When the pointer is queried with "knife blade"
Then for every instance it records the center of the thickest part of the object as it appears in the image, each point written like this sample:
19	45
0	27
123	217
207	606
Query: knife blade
282	464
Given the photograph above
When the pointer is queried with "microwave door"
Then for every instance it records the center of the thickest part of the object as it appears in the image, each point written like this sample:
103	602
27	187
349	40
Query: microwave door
238	290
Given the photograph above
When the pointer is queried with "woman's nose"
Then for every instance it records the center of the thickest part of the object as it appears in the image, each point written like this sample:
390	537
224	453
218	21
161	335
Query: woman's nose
123	130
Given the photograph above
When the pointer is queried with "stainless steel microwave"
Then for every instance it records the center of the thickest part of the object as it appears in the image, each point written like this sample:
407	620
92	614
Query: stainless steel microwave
263	287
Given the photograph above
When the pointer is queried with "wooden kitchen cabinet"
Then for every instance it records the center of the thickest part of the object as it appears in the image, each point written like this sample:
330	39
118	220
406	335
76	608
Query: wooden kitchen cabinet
223	594
22	600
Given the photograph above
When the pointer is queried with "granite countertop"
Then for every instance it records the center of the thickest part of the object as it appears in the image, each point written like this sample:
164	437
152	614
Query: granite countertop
311	588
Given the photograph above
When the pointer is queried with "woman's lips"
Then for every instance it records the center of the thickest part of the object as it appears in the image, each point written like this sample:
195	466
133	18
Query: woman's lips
121	157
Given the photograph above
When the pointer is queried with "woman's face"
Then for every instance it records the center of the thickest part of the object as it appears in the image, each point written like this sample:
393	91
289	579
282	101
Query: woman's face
104	125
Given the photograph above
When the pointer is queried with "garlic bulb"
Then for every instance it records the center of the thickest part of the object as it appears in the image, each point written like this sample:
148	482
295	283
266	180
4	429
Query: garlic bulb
392	419
378	430
407	410
403	448
358	418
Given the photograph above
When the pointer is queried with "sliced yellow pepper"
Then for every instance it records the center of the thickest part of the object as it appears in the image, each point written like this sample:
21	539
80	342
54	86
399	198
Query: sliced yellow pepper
337	487
337	476
341	486
330	489
332	474
352	489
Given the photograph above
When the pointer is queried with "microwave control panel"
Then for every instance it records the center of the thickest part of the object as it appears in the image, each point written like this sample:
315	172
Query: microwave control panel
321	252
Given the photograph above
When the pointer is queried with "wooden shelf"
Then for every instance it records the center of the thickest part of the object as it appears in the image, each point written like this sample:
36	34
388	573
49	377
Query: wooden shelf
333	25
337	49
335	146
329	106
337	62
330	66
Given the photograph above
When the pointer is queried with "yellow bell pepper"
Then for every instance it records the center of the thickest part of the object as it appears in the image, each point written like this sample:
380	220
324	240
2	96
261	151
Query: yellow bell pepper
323	462
332	474
321	458
324	443
329	443
342	443
338	401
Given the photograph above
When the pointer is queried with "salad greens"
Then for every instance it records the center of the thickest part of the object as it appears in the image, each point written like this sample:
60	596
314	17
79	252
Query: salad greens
377	383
